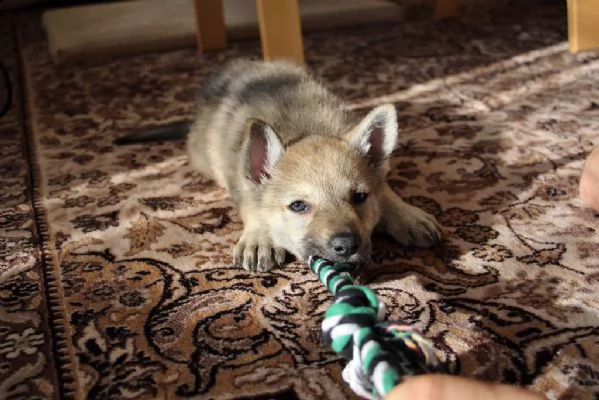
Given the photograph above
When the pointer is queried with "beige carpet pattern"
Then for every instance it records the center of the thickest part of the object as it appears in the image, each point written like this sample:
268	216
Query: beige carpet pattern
116	279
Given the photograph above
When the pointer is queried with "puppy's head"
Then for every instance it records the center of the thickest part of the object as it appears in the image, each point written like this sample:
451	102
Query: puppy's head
321	195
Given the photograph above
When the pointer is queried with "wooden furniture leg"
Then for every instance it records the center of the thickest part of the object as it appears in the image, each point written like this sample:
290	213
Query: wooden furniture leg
210	25
280	30
583	25
446	8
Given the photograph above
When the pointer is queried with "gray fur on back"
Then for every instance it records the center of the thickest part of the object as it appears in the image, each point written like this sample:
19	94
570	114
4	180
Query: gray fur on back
279	93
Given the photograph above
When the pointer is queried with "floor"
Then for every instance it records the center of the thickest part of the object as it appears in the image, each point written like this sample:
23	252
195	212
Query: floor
116	278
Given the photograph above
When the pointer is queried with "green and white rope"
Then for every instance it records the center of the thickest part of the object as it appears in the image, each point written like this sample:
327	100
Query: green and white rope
380	353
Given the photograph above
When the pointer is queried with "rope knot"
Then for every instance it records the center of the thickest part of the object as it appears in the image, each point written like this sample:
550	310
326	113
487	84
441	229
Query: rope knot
380	353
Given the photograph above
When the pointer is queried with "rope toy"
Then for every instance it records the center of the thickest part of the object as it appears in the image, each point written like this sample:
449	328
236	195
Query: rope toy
380	353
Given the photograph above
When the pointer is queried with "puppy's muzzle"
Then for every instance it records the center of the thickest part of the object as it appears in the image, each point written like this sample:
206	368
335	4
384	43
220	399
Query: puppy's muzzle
344	245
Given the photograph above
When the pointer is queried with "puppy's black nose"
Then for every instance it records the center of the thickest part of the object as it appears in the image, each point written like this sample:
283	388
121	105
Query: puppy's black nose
345	244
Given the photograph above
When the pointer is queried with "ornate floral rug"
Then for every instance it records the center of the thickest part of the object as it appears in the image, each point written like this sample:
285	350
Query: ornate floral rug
116	279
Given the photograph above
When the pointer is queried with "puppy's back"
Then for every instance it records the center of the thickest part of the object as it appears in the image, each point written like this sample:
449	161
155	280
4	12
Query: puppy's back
279	93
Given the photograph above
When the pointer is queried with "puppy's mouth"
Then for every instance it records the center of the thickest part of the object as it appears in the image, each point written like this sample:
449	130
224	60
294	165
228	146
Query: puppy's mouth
356	258
360	257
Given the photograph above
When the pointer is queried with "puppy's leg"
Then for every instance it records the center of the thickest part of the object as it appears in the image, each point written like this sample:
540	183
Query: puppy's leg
407	224
255	251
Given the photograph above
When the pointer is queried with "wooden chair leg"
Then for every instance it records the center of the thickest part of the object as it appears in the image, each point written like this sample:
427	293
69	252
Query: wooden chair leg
583	25
446	8
280	30
210	25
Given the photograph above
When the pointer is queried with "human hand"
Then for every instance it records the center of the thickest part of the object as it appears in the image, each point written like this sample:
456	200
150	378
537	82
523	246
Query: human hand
589	180
446	387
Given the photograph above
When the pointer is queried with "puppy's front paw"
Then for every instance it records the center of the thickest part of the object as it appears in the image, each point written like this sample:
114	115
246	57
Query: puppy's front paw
412	226
255	252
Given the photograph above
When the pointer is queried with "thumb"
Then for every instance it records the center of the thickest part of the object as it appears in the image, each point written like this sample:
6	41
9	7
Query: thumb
446	387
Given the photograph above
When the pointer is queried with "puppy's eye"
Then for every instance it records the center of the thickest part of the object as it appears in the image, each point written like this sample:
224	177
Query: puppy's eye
359	197
298	206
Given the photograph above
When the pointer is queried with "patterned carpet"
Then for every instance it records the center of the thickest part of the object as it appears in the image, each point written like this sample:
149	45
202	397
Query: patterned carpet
115	269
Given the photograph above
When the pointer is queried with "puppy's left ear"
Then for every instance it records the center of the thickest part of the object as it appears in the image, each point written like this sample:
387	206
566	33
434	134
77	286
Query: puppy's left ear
375	136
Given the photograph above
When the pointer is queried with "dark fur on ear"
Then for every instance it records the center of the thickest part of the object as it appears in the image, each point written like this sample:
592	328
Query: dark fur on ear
376	135
261	150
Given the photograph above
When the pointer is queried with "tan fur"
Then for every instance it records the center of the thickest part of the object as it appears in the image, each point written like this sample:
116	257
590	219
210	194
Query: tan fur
273	136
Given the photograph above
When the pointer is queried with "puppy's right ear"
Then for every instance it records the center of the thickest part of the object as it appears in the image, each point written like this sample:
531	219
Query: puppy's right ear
261	149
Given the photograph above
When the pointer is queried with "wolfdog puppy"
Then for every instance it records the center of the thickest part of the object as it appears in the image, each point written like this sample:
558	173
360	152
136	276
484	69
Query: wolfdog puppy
307	176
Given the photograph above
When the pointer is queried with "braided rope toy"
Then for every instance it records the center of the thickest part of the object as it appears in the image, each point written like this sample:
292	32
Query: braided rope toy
380	353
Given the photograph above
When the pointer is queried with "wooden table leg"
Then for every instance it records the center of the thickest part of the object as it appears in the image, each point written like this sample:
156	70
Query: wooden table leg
583	25
280	30
446	8
210	25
